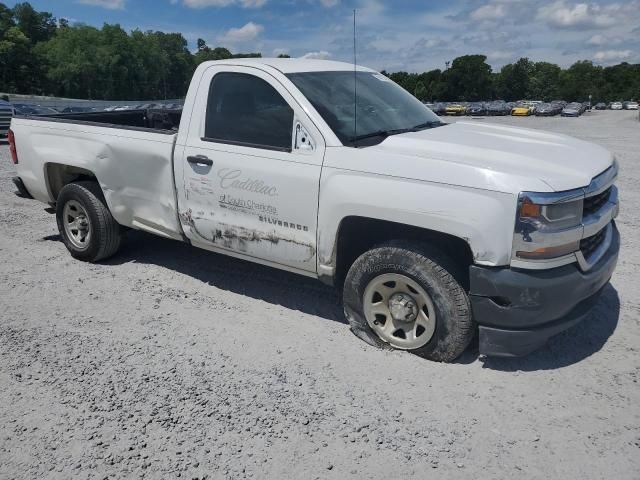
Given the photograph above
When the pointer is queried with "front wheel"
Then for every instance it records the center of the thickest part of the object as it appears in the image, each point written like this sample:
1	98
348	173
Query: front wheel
404	296
86	225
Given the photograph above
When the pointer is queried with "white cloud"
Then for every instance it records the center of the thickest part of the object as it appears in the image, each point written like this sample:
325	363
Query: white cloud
245	33
611	55
600	40
560	14
597	40
109	4
489	12
329	3
222	3
321	55
500	56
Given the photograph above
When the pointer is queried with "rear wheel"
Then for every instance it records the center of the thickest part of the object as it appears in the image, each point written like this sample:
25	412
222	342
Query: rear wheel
405	296
86	225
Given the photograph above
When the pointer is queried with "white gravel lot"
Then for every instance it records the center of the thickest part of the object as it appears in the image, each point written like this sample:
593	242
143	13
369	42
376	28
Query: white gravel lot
168	361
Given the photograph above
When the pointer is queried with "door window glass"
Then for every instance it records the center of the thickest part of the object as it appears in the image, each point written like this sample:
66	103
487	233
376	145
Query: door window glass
245	110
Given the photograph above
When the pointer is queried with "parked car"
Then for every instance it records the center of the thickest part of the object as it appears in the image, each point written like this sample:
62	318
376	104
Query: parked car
439	108
456	109
6	112
548	109
573	109
601	106
630	105
521	110
616	106
498	108
515	241
477	108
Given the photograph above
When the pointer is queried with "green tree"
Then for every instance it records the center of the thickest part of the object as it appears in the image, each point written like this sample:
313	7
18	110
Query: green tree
620	82
6	19
513	81
14	48
72	61
544	81
205	53
37	26
421	91
469	78
581	80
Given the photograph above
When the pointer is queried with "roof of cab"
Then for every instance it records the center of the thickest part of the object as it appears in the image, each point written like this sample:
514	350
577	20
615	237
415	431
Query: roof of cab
292	65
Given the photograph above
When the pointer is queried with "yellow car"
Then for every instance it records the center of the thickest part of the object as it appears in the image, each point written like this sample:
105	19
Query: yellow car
521	111
455	109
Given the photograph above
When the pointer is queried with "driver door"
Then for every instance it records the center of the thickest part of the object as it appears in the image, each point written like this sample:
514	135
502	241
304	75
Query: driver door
251	168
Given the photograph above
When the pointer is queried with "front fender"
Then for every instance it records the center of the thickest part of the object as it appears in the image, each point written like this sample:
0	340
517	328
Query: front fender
482	218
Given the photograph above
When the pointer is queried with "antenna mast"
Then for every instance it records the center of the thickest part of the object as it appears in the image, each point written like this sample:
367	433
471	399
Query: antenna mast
355	85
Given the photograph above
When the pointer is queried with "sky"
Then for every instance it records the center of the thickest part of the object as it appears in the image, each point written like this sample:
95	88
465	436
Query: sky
408	35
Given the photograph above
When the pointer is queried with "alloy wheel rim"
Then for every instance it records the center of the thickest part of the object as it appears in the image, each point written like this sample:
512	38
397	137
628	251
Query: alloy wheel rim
399	311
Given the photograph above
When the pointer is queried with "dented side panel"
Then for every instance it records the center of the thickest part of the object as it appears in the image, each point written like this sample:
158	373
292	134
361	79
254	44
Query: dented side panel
134	169
265	209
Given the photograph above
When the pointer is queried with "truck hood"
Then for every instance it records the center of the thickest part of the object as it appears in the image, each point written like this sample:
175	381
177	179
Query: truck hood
559	161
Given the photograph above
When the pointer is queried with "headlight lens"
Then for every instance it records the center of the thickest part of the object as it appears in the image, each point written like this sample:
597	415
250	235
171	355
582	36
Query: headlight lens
548	225
552	217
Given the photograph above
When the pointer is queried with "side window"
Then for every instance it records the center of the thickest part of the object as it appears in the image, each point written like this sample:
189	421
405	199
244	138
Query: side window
246	110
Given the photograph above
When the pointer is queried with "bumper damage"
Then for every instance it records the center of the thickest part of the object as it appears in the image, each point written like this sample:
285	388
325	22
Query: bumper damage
519	310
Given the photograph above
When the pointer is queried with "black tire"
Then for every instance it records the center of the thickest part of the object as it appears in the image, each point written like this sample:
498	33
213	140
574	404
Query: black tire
106	233
434	272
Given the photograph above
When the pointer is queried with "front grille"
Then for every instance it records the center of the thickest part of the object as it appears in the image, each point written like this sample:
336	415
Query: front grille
595	203
590	244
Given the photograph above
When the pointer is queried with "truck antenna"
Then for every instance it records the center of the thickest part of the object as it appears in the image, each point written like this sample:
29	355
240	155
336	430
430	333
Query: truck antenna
355	85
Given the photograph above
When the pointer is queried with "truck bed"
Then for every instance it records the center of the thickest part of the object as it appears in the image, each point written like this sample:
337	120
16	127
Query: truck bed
159	120
130	154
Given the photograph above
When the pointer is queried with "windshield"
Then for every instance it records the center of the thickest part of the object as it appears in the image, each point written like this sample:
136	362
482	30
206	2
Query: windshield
383	108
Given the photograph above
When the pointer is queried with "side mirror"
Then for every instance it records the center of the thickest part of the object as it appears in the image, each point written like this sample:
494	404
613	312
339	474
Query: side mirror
303	141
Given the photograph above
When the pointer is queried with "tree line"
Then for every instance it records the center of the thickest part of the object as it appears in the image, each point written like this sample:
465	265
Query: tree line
42	55
470	78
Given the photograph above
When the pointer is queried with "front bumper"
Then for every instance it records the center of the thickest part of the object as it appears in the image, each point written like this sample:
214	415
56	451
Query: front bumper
519	310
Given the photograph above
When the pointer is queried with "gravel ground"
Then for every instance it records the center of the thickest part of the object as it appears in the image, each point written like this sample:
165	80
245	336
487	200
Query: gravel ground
170	362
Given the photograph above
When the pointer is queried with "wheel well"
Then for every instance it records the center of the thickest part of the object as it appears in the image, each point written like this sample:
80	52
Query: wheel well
59	175
359	234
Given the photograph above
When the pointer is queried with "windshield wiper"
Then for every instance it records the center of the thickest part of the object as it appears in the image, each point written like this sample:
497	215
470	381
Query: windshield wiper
380	133
387	133
431	124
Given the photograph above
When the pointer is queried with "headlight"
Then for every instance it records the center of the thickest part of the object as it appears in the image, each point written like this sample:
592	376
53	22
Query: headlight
548	225
555	216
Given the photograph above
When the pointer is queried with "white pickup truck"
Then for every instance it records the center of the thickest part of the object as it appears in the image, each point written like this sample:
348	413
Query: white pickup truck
434	231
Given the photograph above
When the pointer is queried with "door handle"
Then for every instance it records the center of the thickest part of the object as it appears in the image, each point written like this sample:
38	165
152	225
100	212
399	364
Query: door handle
200	160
